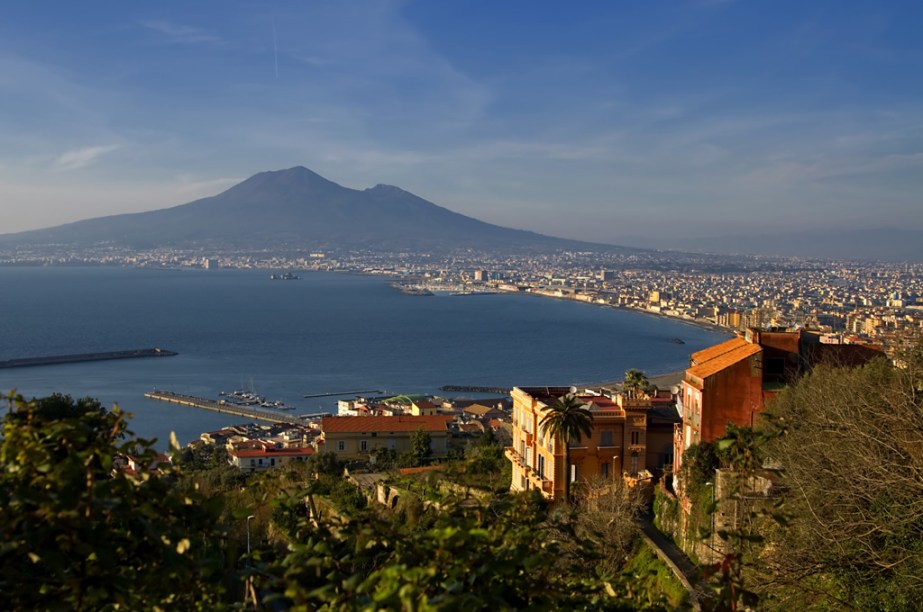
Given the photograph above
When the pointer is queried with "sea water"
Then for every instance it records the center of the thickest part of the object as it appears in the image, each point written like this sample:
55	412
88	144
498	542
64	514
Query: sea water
323	333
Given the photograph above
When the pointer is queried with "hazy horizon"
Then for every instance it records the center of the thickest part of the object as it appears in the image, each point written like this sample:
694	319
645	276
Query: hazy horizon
597	122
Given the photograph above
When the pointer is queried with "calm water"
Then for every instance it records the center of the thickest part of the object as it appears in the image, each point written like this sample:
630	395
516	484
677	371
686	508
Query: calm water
324	333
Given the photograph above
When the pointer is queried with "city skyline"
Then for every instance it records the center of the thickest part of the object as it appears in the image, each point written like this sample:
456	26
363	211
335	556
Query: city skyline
601	123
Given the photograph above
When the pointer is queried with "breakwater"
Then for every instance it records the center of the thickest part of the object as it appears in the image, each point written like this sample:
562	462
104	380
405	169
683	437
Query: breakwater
223	407
475	389
341	393
78	358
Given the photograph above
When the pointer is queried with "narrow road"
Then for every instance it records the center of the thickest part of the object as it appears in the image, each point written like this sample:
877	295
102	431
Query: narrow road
684	569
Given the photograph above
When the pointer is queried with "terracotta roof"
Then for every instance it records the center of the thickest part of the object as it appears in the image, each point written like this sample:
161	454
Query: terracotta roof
700	357
478	409
600	402
377	424
725	360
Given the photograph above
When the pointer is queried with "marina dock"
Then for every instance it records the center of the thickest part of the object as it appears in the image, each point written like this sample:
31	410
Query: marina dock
225	408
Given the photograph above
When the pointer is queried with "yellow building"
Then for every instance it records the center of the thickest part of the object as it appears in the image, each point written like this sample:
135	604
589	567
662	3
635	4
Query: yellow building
616	448
359	437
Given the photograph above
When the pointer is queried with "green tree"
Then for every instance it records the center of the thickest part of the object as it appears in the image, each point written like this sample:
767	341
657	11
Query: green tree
420	448
740	449
505	556
635	382
849	443
79	532
567	420
699	464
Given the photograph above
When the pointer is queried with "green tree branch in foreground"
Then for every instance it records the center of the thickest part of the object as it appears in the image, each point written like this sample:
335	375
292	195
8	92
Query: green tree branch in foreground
79	533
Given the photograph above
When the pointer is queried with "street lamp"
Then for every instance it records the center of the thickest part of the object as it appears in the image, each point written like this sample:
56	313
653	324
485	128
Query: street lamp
711	535
247	582
252	516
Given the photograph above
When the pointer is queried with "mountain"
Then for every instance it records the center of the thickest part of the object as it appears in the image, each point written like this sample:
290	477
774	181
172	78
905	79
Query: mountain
299	208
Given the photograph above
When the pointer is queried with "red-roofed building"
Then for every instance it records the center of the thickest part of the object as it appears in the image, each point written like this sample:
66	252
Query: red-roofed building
254	455
359	437
731	382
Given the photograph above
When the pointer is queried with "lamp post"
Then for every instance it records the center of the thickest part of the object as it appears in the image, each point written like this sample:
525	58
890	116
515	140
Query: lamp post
249	518
711	534
247	582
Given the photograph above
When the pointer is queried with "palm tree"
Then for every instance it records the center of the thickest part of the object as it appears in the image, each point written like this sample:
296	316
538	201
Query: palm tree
567	419
635	380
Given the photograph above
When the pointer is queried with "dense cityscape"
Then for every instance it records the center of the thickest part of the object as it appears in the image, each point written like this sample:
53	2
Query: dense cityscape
847	301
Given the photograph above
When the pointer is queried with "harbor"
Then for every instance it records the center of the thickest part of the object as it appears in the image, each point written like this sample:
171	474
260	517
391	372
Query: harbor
225	408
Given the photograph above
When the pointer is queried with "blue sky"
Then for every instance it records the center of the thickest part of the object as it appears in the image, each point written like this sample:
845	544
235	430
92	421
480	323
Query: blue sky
620	121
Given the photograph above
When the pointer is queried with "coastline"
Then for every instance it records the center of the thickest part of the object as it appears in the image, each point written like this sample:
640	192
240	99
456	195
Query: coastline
700	323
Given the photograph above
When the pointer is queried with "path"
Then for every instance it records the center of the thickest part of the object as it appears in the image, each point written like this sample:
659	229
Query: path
684	569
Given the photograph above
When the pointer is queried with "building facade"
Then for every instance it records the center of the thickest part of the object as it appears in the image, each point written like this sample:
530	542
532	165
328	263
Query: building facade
732	382
616	448
360	437
256	456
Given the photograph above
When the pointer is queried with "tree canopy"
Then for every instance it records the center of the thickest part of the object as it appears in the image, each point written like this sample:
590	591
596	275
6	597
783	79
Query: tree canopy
81	531
850	445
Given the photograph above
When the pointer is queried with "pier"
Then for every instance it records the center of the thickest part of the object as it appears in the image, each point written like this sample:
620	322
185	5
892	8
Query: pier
338	393
474	389
59	359
234	409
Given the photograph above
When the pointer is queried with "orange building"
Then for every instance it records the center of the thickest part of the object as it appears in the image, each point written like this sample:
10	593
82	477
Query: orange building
731	382
616	448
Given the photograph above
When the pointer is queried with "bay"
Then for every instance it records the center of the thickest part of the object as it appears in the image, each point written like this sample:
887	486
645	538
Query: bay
285	339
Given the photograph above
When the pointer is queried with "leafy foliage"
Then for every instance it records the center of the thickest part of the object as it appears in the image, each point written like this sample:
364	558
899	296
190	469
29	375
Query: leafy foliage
699	464
505	556
80	533
420	449
850	445
636	382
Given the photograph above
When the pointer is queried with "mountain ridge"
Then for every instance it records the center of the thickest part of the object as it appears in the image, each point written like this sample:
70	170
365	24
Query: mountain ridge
298	207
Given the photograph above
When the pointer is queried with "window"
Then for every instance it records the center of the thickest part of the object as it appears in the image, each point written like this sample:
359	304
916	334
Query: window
341	445
605	438
634	464
573	472
541	466
363	445
636	437
272	461
604	470
775	365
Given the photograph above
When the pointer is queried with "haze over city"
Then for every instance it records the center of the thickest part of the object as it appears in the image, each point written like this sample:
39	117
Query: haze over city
611	122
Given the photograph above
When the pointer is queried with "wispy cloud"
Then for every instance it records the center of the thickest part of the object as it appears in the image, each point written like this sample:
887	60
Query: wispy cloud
313	60
182	34
78	158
